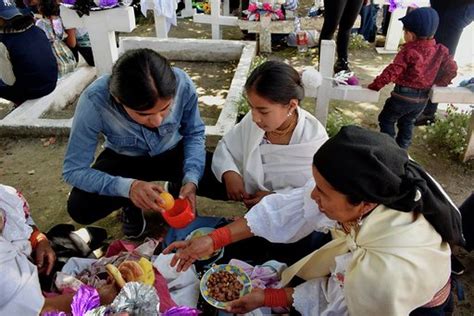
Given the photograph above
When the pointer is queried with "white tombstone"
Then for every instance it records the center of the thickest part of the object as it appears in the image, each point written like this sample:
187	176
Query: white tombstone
27	118
395	28
329	91
266	27
211	51
161	23
215	19
188	9
102	26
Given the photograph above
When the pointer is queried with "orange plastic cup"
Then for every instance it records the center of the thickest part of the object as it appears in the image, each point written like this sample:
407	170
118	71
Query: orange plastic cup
181	215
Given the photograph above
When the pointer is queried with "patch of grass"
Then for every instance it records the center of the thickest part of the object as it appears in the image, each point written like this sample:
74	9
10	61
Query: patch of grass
336	120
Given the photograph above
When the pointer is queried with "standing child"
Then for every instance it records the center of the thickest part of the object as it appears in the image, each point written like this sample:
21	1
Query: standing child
52	25
419	65
27	65
272	147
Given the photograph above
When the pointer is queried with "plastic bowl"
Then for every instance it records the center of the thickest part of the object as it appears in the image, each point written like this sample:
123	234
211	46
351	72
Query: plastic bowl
181	215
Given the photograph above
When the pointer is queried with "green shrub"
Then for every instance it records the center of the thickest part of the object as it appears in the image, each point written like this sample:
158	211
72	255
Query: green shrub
336	120
357	41
449	132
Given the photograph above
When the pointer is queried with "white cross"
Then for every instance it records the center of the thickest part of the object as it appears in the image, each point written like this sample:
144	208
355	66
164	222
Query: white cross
265	28
188	9
102	26
395	29
161	25
328	91
215	19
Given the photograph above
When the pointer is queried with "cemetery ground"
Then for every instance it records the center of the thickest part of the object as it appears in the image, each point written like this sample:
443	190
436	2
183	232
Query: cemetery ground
34	165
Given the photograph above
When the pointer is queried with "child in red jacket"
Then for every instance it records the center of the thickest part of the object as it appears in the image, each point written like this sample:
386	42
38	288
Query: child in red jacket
420	64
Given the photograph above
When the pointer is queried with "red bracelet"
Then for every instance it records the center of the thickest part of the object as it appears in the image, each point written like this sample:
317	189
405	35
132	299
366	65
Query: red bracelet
36	237
221	237
275	298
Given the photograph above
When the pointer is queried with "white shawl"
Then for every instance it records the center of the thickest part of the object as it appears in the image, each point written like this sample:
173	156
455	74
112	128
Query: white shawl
269	167
20	292
399	263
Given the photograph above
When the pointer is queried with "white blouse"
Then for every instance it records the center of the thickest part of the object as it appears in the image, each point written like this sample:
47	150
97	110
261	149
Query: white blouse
287	218
265	166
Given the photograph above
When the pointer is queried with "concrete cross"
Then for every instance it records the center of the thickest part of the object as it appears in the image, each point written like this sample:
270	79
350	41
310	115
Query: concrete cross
161	25
395	29
188	9
266	27
329	91
102	26
216	19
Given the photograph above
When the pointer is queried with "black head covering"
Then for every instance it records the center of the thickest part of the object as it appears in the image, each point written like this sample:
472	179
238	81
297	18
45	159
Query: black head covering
370	166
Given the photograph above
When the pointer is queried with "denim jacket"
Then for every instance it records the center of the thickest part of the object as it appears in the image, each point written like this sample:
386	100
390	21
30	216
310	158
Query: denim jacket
96	114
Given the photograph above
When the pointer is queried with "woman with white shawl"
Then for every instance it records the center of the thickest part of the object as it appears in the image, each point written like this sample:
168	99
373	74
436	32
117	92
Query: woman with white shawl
271	149
20	292
390	223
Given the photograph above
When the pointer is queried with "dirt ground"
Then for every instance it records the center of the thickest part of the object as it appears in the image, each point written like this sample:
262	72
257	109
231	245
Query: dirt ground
34	165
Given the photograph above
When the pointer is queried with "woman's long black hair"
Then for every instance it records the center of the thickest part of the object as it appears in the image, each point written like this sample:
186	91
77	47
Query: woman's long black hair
140	77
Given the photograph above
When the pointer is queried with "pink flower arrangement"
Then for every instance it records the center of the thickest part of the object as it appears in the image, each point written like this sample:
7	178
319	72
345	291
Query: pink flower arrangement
257	8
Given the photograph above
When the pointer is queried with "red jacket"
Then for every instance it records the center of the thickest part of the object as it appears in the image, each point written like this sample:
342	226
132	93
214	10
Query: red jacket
419	65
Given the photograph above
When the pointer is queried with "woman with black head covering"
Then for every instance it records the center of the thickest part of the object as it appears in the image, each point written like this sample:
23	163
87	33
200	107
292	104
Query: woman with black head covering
391	227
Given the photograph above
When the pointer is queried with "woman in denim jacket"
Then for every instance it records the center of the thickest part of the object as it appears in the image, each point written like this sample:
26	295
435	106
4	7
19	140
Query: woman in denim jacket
148	113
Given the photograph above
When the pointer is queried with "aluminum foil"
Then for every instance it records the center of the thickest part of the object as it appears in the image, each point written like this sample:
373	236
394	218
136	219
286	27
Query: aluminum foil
137	299
181	311
99	311
55	313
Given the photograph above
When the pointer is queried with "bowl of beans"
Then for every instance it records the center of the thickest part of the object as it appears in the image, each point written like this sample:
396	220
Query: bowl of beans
224	283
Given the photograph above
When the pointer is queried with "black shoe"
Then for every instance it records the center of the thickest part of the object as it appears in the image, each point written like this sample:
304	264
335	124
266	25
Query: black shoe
425	120
457	268
133	222
340	65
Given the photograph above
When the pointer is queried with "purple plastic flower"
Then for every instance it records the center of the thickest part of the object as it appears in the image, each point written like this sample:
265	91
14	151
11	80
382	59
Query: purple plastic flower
85	299
182	311
393	5
55	313
107	3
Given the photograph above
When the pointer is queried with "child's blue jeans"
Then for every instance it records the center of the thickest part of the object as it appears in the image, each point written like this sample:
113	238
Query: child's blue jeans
403	107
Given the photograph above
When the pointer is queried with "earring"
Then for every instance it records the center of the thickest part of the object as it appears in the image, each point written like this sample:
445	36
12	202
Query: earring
359	220
290	114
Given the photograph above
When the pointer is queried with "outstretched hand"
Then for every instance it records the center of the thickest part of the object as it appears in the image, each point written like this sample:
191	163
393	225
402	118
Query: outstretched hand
247	303
189	251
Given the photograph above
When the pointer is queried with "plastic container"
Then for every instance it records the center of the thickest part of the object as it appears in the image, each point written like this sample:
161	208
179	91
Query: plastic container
302	41
181	215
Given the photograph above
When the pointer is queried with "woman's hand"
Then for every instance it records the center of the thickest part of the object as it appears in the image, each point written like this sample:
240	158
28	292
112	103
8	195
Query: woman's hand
188	191
189	251
44	257
146	195
255	198
247	303
234	185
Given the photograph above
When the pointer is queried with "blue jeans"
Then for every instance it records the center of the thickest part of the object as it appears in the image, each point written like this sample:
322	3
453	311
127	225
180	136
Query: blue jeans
402	107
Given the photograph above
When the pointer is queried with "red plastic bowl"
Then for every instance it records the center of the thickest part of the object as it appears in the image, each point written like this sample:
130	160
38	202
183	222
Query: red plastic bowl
181	215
